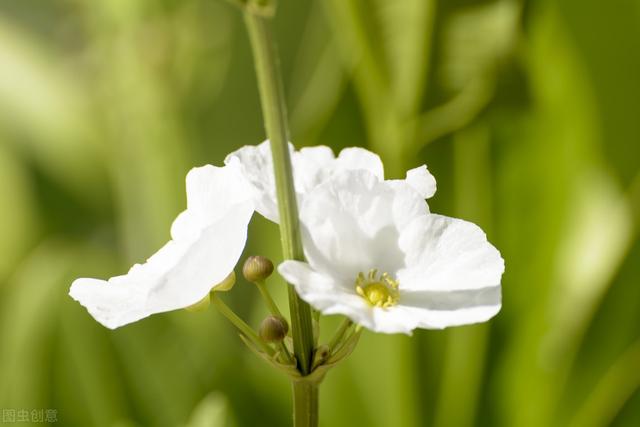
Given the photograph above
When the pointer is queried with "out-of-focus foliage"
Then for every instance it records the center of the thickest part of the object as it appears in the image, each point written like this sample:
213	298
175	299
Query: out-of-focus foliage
526	112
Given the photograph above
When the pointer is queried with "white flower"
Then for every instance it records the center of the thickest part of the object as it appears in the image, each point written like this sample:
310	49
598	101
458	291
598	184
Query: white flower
207	241
376	255
311	167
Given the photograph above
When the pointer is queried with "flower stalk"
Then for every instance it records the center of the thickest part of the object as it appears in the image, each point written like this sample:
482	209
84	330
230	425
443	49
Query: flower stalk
268	300
240	324
338	338
257	19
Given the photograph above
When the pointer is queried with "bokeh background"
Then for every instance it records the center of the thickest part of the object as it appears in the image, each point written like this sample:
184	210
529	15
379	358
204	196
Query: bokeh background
527	113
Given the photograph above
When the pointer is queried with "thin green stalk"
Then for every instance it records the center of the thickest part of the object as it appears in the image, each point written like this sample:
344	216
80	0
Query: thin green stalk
337	338
240	324
285	352
275	119
266	296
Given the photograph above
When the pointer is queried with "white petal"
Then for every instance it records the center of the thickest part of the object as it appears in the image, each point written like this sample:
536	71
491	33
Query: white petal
311	167
352	223
256	165
211	191
441	309
307	280
327	295
448	254
356	158
393	320
110	304
422	181
437	311
208	239
324	293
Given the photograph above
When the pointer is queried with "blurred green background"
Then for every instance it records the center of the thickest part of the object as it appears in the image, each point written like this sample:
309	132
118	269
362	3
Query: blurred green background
527	113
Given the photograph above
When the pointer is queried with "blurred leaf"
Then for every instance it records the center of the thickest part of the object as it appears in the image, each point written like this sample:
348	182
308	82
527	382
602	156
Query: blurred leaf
201	58
458	112
465	354
86	380
28	324
42	103
19	223
388	48
612	392
407	30
476	40
596	242
212	411
558	148
143	136
318	80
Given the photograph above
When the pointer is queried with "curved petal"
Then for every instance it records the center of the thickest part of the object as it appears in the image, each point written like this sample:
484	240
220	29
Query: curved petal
324	293
428	311
356	158
352	223
448	254
110	303
306	279
427	319
441	309
331	297
180	274
312	166
210	191
393	320
256	165
205	262
208	239
422	181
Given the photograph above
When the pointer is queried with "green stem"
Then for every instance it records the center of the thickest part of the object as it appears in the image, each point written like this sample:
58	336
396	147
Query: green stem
275	120
240	324
305	404
266	296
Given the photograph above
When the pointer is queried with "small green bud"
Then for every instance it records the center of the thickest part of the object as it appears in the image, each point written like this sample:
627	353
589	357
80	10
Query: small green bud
273	329
226	284
257	268
201	305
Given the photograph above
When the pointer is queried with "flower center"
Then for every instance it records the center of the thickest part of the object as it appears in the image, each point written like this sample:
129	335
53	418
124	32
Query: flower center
379	290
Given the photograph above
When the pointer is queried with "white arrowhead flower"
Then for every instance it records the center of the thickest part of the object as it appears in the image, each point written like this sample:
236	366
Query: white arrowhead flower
207	241
311	167
376	255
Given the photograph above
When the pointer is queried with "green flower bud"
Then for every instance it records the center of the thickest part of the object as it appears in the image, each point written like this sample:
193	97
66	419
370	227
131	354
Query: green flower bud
257	268
226	284
273	329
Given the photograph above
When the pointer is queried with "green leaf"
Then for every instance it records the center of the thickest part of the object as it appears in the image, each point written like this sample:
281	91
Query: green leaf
212	411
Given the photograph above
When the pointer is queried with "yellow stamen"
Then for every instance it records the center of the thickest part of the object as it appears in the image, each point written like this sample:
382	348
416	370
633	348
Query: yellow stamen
379	290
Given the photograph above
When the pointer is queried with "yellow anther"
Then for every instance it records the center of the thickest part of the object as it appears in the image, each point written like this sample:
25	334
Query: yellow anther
378	290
